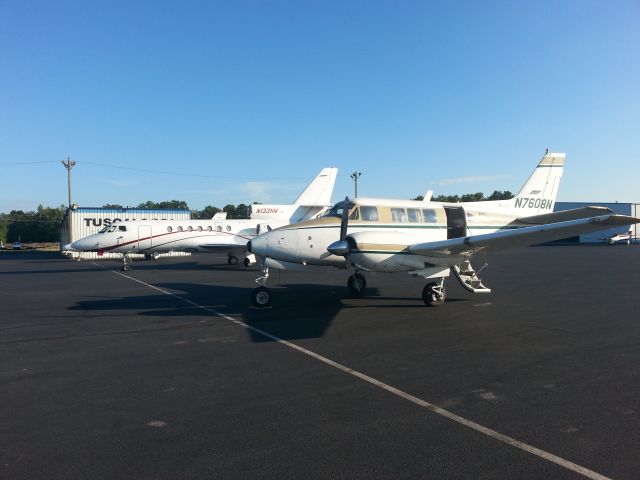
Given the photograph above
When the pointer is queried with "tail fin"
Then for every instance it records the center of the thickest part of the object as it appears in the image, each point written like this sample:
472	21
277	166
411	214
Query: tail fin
319	190
539	193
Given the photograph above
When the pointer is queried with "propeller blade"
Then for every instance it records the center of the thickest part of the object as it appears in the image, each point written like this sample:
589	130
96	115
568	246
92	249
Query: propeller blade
344	223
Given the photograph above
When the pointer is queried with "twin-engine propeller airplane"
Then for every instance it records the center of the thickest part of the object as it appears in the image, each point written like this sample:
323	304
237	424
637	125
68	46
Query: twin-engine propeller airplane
217	234
427	239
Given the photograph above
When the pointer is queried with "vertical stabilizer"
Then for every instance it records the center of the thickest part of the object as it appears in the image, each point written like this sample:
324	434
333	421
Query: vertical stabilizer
319	190
313	200
539	192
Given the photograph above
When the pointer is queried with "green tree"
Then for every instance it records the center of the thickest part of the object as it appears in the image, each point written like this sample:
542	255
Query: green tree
205	214
165	205
231	210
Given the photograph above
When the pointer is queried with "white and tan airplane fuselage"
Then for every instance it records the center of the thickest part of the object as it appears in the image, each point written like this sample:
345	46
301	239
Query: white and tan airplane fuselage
391	226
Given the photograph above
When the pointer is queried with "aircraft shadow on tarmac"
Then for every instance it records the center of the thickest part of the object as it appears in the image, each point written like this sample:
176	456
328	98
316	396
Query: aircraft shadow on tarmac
302	310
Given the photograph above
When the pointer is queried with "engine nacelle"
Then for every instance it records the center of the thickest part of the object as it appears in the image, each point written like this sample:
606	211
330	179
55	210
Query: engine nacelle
384	251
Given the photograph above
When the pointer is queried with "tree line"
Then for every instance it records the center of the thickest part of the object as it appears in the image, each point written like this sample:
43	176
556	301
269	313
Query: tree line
43	224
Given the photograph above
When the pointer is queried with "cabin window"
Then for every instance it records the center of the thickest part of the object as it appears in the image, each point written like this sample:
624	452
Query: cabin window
179	229
228	228
199	228
209	228
398	215
169	229
429	215
190	228
122	228
369	214
218	228
413	214
354	214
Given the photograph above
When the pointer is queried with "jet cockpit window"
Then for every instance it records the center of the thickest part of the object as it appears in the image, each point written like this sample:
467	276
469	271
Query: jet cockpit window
429	215
104	230
369	214
398	215
112	228
122	228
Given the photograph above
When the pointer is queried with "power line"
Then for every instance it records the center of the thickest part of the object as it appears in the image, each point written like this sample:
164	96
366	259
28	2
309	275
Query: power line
28	163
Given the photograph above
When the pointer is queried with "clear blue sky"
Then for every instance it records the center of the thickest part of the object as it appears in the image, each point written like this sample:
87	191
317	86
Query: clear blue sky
246	101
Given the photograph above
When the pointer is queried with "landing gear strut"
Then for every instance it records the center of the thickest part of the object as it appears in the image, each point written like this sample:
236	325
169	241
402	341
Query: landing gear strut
126	262
357	283
261	296
434	294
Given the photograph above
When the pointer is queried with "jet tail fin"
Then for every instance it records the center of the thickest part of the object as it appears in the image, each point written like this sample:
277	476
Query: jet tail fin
319	190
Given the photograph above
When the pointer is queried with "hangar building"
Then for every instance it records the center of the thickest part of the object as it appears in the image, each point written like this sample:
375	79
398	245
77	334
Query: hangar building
79	222
632	209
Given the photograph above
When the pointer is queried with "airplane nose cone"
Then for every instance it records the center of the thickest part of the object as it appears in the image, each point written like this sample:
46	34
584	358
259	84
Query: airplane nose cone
68	248
258	245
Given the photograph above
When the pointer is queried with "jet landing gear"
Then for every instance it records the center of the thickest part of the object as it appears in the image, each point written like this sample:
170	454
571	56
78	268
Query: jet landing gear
261	296
126	262
434	294
232	259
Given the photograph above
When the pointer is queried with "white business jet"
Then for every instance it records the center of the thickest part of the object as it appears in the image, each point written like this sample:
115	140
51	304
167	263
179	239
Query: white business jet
217	234
427	239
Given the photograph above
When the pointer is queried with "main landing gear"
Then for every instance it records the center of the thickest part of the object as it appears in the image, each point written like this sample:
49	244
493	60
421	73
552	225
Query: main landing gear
434	294
232	259
356	284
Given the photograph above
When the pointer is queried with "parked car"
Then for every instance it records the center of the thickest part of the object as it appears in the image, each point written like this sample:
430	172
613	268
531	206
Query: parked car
16	246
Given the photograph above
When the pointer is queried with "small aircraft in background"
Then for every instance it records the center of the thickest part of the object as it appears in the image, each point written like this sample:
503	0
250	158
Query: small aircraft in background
217	234
427	239
620	237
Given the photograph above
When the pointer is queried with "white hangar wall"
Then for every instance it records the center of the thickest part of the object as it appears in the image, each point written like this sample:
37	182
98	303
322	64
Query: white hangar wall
80	222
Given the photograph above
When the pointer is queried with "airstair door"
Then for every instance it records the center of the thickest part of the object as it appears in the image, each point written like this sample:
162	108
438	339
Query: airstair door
144	237
456	222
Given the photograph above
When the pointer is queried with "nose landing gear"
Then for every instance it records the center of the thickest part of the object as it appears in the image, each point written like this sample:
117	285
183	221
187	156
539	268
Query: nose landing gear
261	296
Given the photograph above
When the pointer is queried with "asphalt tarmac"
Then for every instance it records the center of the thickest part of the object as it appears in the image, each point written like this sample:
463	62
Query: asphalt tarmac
165	372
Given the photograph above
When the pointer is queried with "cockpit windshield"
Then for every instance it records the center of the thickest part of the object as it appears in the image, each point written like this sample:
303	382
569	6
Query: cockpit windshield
108	228
337	209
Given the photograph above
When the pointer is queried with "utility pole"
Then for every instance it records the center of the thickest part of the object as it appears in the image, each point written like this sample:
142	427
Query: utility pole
356	176
69	164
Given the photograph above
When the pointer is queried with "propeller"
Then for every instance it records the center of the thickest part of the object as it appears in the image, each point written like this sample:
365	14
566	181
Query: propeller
342	247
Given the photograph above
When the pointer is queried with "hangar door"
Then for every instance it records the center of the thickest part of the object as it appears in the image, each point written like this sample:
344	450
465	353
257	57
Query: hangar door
144	237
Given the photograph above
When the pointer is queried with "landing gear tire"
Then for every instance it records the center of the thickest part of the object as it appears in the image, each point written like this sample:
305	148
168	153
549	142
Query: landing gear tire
125	268
357	283
261	297
232	260
433	295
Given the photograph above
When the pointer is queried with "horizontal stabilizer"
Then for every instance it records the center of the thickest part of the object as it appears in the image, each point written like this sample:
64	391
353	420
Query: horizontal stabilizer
565	215
519	237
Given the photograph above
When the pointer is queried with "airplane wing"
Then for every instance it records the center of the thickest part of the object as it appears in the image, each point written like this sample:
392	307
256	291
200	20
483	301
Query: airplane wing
565	215
221	247
520	237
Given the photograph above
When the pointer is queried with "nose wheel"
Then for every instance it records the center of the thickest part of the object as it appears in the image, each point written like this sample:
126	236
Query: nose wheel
434	294
357	283
261	297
